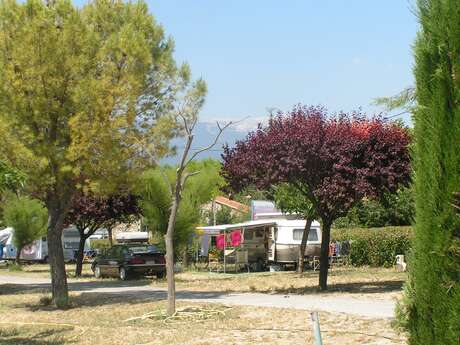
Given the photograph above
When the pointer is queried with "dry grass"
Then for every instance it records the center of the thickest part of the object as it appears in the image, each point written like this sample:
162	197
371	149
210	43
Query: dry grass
358	281
92	319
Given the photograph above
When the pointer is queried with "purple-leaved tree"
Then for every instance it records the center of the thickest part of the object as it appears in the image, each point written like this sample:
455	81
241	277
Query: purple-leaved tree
334	161
90	213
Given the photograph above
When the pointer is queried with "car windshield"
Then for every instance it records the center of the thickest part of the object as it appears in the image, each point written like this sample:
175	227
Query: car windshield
143	249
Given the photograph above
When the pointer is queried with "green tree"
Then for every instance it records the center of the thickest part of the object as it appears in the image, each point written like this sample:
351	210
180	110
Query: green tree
156	199
77	86
392	209
28	218
433	292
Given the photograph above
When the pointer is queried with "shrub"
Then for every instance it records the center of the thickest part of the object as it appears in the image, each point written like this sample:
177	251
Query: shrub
100	245
28	217
375	246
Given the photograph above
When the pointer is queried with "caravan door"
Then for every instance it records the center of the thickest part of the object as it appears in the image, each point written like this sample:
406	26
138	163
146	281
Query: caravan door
272	243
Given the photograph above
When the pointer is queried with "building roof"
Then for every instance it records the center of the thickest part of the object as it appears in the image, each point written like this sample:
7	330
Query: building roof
235	205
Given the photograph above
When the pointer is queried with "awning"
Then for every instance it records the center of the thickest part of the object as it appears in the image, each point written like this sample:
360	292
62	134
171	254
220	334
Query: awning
216	229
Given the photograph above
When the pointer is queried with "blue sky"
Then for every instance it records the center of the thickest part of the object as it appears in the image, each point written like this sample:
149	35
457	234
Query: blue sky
258	54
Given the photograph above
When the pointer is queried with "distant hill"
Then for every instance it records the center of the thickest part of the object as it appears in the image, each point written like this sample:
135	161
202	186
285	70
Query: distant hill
205	132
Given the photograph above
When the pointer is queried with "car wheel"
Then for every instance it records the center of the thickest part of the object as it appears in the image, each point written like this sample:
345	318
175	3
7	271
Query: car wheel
161	275
123	274
97	271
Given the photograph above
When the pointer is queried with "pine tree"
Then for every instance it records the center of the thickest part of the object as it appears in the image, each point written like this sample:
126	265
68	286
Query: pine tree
433	291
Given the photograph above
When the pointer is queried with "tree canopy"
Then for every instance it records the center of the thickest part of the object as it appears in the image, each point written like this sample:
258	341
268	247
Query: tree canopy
334	161
91	212
433	290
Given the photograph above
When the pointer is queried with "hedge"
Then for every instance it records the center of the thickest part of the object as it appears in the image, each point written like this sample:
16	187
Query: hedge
101	245
375	246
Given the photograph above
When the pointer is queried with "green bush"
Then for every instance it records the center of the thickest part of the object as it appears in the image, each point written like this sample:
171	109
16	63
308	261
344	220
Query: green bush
376	246
100	245
29	219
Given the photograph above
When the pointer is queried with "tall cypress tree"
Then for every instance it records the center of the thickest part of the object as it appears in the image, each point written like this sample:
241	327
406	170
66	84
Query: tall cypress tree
434	283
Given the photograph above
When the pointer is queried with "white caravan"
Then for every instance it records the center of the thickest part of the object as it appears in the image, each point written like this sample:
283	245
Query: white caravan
38	250
271	240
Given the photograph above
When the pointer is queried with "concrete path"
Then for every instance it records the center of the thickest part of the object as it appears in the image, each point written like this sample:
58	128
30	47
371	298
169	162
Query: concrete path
367	307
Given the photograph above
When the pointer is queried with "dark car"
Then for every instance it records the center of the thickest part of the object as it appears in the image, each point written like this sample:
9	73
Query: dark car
128	260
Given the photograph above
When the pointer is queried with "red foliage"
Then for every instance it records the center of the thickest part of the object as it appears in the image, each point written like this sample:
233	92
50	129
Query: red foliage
93	212
335	160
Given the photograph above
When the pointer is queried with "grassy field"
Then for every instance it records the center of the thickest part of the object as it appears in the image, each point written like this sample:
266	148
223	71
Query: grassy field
380	282
25	318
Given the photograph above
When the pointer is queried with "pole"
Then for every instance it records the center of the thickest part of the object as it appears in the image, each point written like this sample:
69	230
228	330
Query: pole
225	246
316	328
214	211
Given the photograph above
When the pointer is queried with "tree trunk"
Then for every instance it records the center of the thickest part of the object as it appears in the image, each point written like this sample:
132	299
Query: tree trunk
109	230
185	262
18	256
324	258
303	245
81	249
170	253
59	287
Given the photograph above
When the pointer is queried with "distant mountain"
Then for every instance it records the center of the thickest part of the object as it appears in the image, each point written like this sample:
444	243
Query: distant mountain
205	133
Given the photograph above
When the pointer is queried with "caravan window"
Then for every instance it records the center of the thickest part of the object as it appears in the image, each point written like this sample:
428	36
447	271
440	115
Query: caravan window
297	234
313	235
259	233
248	234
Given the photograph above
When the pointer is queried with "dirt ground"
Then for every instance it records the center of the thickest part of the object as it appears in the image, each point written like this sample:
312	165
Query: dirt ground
383	283
378	282
25	318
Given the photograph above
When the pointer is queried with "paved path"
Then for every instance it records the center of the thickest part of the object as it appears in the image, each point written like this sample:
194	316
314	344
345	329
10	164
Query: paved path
367	307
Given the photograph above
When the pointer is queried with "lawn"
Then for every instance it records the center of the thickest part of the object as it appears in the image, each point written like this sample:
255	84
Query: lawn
380	282
25	318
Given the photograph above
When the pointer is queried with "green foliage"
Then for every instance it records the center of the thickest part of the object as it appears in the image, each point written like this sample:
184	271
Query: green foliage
406	100
155	189
291	199
435	272
55	131
224	215
393	209
10	178
28	218
375	247
101	245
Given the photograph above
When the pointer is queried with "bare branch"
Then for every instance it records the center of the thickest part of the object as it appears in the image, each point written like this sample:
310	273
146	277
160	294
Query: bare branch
186	176
216	139
154	159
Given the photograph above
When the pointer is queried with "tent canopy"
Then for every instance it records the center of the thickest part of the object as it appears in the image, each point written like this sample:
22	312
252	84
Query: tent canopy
216	229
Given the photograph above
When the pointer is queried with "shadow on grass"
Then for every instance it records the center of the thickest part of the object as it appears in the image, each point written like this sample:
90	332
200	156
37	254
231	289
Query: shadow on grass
358	288
12	289
16	337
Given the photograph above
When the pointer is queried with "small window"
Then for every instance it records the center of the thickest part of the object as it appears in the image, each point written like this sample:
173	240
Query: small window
313	235
297	234
248	234
259	233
